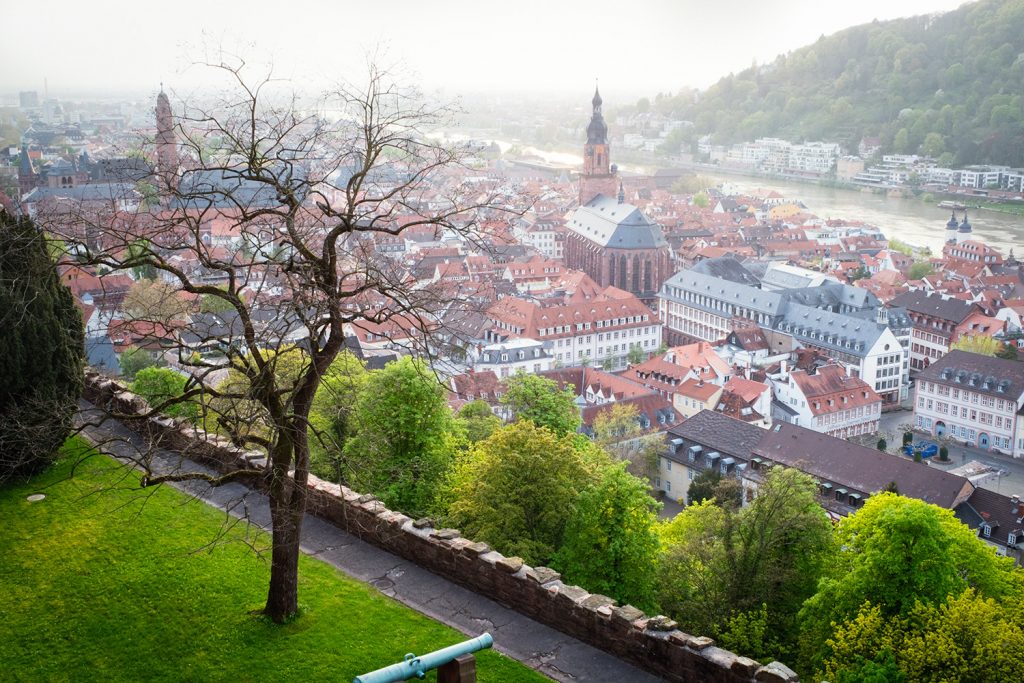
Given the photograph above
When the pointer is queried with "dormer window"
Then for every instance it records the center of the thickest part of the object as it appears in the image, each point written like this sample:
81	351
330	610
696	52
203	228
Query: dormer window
986	530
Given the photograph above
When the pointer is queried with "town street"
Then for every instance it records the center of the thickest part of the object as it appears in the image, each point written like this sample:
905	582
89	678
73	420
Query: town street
1009	483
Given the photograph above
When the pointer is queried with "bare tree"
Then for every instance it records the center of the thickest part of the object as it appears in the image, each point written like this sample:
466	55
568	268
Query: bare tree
278	210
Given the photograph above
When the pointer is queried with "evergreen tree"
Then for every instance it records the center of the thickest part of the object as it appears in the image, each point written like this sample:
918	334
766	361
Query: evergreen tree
42	338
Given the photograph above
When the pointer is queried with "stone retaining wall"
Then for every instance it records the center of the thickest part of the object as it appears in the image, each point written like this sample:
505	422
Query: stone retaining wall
652	643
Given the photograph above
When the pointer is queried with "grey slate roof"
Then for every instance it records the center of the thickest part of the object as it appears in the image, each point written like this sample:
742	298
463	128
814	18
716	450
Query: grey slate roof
727	268
919	301
858	467
838	331
90	192
996	377
606	222
769	303
997	510
716	432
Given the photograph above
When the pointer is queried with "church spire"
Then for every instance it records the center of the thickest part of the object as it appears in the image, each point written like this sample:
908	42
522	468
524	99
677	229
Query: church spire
597	131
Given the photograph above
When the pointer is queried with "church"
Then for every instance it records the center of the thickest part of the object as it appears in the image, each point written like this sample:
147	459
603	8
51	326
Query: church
611	241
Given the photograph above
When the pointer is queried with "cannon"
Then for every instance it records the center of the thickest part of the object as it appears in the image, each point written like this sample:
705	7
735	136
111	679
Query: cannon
417	667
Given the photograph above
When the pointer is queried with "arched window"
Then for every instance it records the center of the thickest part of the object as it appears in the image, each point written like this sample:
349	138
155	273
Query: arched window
636	273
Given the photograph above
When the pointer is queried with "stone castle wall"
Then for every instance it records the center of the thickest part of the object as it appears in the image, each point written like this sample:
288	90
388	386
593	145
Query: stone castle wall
652	643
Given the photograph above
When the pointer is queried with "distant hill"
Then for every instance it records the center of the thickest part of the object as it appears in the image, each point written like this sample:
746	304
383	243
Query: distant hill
949	85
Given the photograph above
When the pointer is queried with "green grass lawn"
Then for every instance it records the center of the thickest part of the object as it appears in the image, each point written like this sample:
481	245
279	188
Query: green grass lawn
100	581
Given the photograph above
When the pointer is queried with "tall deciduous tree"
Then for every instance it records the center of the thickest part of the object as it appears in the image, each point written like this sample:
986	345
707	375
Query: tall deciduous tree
478	420
985	346
331	418
539	400
610	545
41	336
306	199
403	442
722	563
517	489
894	554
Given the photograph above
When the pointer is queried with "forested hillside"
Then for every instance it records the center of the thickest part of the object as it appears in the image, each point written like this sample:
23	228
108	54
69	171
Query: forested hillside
948	85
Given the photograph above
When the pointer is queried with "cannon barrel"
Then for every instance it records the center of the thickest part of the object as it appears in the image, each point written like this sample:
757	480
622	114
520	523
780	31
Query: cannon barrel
417	667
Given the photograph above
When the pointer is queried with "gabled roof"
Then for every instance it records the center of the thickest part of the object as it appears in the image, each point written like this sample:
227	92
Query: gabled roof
606	222
858	467
720	433
997	377
923	303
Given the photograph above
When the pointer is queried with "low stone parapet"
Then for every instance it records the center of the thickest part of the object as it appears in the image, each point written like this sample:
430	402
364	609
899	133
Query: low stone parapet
651	642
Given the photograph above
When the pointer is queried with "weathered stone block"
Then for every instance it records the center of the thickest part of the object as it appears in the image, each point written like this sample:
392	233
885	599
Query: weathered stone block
722	659
543	575
573	594
627	613
477	548
595	601
446	534
776	672
745	666
509	565
423	523
661	623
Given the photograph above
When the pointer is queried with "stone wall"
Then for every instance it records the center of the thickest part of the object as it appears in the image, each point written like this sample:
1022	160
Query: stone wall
652	643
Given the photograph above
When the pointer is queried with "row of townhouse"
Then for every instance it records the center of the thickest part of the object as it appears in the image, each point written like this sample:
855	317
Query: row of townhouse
715	297
974	399
847	473
600	330
939	321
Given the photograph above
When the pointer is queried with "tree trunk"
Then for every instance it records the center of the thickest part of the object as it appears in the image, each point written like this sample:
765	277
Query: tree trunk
287	506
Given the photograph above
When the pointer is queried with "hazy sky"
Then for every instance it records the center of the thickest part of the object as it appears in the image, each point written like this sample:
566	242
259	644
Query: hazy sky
637	46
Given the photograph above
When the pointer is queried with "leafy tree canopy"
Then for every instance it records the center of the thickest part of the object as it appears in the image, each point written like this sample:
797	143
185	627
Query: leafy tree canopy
950	84
897	553
478	420
538	399
610	542
985	346
404	439
518	488
158	385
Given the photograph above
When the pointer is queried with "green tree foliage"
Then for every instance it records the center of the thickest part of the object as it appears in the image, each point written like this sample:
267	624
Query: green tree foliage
42	338
882	445
897	553
962	638
517	489
721	563
1008	352
158	385
951	84
710	485
610	542
538	399
617	430
985	346
331	421
133	360
919	270
404	438
702	200
636	355
478	420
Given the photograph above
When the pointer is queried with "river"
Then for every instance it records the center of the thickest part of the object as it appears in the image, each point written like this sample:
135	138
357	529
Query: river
909	220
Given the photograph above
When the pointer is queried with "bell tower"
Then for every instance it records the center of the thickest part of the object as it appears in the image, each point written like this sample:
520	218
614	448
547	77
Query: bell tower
598	175
166	144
